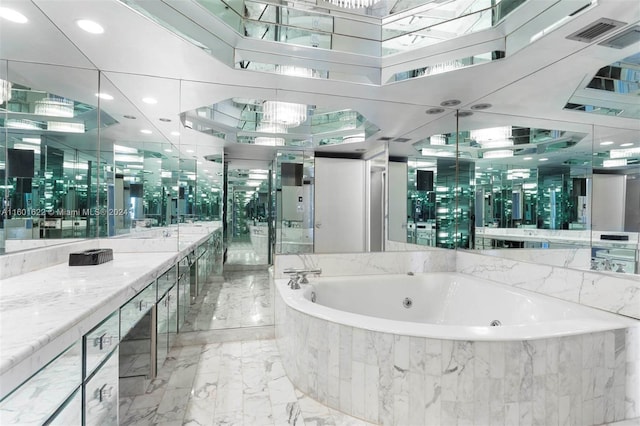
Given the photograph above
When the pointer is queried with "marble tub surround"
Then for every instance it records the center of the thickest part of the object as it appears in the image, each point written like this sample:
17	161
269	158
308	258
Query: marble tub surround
393	379
434	260
617	293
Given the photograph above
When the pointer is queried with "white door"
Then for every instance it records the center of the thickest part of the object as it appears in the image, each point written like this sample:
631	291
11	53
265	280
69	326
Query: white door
397	201
339	205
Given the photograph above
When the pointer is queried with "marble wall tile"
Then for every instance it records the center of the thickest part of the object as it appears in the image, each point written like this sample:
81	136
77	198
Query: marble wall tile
617	293
345	264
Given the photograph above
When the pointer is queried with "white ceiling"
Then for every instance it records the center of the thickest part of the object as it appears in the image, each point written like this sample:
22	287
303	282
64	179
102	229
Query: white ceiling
138	58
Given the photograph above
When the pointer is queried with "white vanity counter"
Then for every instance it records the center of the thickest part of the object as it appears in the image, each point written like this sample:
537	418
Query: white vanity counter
45	311
576	237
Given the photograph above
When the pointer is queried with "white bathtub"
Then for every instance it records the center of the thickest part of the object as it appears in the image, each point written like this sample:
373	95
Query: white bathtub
359	350
446	306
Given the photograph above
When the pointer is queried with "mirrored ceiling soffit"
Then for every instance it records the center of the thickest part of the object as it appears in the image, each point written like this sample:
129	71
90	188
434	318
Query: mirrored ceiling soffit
385	42
276	123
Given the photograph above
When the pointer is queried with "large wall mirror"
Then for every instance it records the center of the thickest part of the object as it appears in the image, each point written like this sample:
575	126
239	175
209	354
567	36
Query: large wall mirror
80	159
560	193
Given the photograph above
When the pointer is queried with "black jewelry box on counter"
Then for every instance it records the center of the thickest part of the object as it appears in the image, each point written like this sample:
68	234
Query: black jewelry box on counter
91	257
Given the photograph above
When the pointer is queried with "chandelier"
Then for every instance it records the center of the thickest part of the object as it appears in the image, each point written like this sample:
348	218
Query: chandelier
55	106
353	4
267	127
494	137
284	113
5	91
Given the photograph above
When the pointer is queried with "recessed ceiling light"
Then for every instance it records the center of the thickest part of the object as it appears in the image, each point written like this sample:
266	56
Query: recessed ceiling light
450	103
12	15
175	133
543	159
150	101
627	144
90	26
431	111
528	158
168	150
105	96
481	106
165	120
130	117
146	132
189	151
464	113
606	143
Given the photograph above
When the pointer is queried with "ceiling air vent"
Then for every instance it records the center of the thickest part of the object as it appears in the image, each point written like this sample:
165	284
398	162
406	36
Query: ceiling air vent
385	138
595	30
403	140
624	39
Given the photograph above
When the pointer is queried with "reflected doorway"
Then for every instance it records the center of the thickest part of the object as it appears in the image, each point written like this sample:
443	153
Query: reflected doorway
248	215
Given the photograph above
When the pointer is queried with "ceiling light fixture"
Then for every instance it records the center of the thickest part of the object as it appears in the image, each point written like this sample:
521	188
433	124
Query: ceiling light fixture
493	137
479	107
528	158
353	4
627	144
146	132
150	101
105	96
286	114
55	106
462	114
450	103
621	162
65	126
89	26
499	153
605	143
543	159
268	127
175	133
12	15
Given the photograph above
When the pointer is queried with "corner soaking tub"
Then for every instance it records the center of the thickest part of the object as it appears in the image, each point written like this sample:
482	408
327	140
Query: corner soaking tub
447	348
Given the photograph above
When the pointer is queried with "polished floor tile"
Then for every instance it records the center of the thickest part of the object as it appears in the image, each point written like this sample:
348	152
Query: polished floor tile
241	299
227	383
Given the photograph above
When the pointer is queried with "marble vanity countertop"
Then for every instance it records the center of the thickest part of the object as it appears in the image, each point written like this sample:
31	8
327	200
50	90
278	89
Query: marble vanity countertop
581	237
45	311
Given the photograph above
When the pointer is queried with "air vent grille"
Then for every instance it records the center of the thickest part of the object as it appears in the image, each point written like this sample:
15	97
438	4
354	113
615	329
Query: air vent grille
595	30
403	140
624	39
385	138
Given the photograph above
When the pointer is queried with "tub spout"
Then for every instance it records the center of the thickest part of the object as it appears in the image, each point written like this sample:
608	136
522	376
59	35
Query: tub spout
299	276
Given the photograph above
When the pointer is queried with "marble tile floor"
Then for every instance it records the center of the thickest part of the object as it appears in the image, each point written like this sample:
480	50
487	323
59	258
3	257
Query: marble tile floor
226	383
243	253
243	299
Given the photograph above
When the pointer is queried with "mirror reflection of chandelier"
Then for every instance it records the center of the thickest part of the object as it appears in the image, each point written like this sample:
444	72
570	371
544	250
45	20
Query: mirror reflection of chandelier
494	137
270	128
284	113
5	91
353	4
58	106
